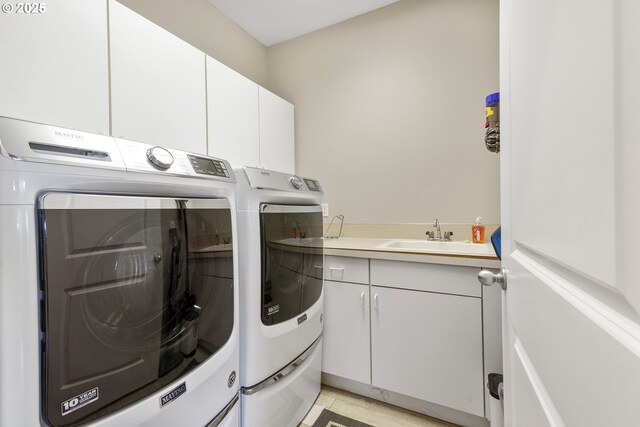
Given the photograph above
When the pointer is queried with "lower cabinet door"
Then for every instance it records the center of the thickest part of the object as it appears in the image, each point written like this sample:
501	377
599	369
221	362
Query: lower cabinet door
428	346
346	331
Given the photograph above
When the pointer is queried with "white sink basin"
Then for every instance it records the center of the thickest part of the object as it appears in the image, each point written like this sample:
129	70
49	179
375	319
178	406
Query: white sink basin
464	248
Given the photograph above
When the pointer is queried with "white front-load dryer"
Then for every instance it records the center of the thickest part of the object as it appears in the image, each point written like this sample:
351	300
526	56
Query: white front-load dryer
118	282
281	293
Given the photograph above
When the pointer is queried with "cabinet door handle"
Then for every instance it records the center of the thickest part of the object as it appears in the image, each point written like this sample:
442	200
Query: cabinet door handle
362	300
375	301
336	271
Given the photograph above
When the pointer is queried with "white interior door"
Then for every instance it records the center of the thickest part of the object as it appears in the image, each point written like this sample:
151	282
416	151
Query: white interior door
570	113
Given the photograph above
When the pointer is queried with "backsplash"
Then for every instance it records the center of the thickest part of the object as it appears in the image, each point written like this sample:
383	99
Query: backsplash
461	232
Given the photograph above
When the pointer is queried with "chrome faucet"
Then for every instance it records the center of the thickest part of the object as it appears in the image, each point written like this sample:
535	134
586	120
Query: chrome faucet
438	234
436	224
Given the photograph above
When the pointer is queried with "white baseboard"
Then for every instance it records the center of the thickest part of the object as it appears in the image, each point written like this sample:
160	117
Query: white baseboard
411	403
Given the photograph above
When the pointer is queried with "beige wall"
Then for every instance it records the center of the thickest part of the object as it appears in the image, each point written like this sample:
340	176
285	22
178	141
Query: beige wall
390	111
199	23
389	105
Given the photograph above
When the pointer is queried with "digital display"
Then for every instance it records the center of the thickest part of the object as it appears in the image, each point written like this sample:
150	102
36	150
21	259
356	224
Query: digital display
312	185
206	166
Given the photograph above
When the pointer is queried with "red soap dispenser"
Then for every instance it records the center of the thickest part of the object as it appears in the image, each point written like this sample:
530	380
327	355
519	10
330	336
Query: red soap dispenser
477	231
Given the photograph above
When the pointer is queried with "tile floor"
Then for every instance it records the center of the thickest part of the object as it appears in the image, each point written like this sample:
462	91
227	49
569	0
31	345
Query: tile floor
373	412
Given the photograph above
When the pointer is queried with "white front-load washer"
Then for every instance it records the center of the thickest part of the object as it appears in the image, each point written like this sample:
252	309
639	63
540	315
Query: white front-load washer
281	296
118	282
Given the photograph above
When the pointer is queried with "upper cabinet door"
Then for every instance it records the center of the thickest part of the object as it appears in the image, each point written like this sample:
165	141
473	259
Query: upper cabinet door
54	65
277	150
232	112
157	84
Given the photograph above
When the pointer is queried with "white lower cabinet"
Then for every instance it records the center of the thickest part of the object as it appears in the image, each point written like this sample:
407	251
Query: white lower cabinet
428	346
346	331
415	329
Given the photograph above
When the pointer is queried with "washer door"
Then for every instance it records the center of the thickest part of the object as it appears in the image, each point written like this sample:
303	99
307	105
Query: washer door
137	291
292	248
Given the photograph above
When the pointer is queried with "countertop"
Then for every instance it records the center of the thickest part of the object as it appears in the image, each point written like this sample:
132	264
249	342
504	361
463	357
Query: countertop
472	255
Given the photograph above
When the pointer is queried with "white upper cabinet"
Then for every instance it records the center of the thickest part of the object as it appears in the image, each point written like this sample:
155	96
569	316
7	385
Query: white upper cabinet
248	125
276	133
99	67
232	114
55	65
158	93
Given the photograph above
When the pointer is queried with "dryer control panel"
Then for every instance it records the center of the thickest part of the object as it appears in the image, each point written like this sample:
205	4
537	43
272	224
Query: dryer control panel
312	185
273	180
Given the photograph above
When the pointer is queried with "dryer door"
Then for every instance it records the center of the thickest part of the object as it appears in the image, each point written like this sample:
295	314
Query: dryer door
137	291
291	260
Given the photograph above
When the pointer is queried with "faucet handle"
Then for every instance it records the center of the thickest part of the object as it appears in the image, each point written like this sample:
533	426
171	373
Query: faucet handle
429	234
448	234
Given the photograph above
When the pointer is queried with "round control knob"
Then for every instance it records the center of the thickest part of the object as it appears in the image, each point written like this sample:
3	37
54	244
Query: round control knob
296	182
160	157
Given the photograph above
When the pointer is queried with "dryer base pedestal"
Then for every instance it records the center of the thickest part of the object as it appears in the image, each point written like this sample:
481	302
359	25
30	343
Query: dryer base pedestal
232	419
286	402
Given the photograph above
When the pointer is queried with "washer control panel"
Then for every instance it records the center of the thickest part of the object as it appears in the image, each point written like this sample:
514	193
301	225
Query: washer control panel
33	142
148	158
208	166
160	157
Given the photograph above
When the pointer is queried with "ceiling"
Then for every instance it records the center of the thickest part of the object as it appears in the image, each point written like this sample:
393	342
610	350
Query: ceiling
275	21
